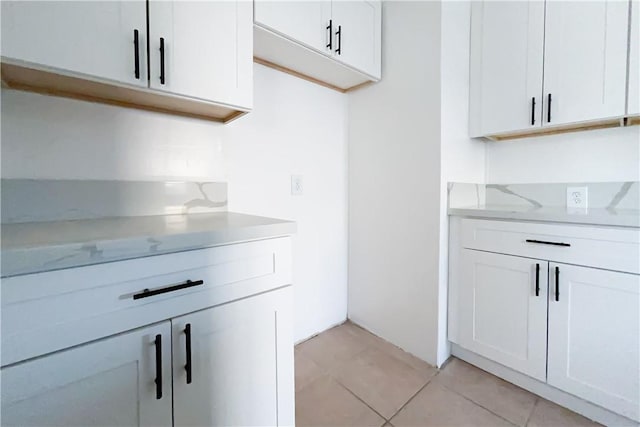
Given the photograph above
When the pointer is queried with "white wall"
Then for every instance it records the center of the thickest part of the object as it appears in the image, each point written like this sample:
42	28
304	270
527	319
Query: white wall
463	158
394	184
296	127
591	156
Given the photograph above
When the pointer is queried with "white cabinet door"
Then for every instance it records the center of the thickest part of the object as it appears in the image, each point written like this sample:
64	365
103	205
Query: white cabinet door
506	66
207	49
240	360
306	22
357	29
585	60
503	310
93	38
106	383
633	107
594	330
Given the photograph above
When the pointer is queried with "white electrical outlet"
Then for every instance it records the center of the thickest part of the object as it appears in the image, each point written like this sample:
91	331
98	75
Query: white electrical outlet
577	198
296	185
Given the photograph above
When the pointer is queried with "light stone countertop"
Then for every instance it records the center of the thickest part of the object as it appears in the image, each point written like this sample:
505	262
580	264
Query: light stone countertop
593	216
44	246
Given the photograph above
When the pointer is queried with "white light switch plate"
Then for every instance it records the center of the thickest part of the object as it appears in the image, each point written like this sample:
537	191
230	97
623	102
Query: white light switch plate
296	185
577	198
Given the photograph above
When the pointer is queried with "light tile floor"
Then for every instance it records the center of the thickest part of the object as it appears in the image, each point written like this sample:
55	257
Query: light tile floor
349	377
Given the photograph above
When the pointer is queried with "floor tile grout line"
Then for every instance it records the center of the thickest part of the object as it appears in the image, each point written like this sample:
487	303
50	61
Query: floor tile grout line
414	395
358	397
478	404
532	409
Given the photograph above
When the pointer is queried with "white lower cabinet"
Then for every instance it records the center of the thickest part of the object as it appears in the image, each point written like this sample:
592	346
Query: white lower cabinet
573	331
197	338
594	336
232	364
111	382
504	310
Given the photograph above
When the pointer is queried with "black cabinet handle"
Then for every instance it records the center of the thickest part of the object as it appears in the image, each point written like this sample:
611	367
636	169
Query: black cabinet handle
330	28
537	280
136	53
544	242
549	108
339	35
161	60
158	343
187	366
148	293
533	111
557	283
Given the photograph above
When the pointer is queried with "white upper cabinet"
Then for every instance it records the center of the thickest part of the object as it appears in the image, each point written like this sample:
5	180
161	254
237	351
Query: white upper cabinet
202	49
585	60
594	336
335	43
506	66
540	64
357	34
93	38
120	381
633	106
304	21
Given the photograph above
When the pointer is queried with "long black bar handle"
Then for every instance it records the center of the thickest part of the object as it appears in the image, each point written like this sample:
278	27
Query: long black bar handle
557	283
339	35
187	366
533	111
545	242
148	293
158	343
136	53
330	28
537	279
161	60
549	108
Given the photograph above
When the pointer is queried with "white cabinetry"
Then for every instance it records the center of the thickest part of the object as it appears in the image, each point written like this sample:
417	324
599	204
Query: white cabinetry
100	51
633	94
594	336
230	358
357	34
585	60
78	348
504	310
335	43
547	65
205	45
506	66
111	382
304	21
557	303
94	38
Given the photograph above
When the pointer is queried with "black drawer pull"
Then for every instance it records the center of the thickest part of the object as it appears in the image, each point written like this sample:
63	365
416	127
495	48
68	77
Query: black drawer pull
557	283
339	35
533	111
149	293
330	28
537	280
544	242
162	60
158	343
136	54
548	108
187	366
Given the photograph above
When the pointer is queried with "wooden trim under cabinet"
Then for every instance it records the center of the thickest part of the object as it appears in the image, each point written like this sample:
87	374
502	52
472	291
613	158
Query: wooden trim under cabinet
47	82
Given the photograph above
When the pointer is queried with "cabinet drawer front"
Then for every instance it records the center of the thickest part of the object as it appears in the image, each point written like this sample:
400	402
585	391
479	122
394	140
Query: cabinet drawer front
50	311
609	248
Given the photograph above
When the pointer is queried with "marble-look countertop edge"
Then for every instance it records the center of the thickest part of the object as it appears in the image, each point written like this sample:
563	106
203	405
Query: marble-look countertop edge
631	221
22	260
